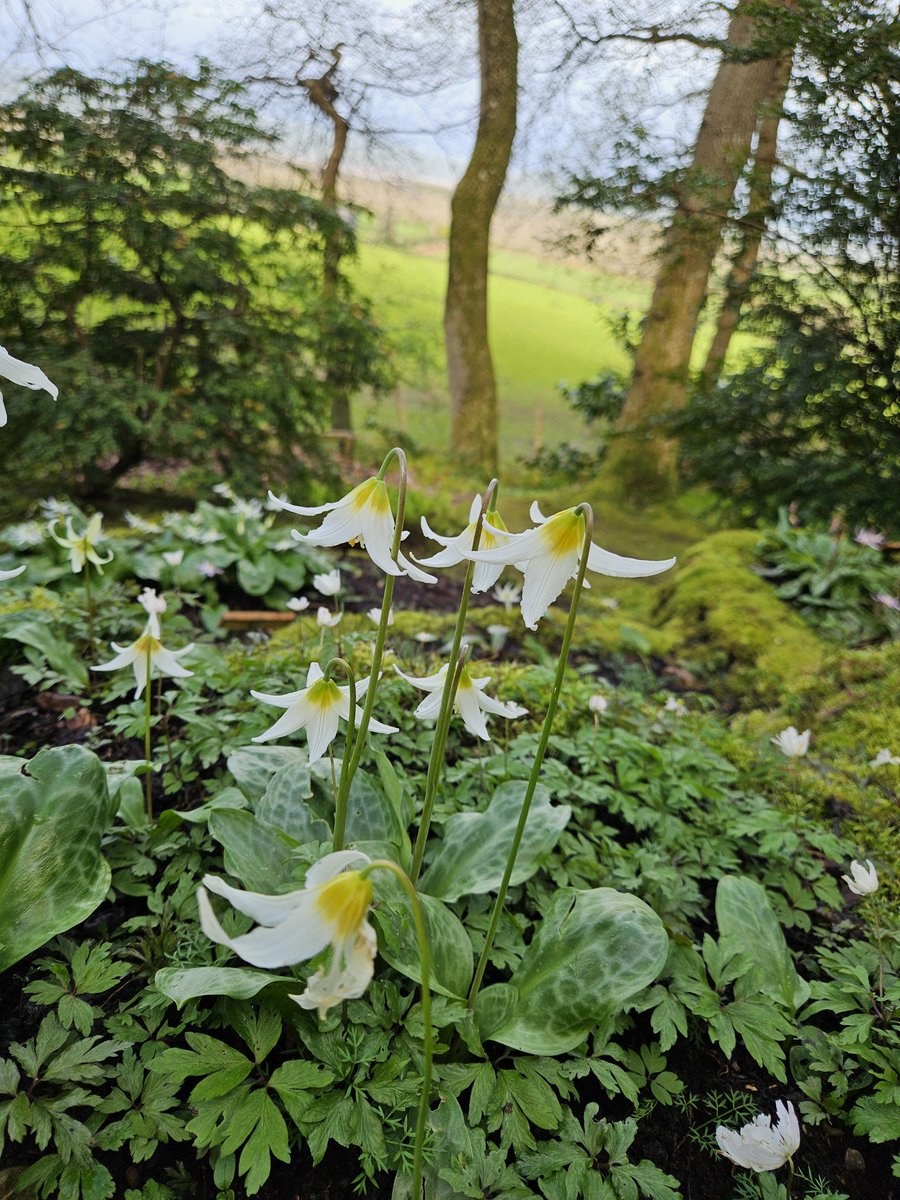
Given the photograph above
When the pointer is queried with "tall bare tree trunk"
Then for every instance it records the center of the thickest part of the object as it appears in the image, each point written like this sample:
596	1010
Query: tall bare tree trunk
754	224
644	462
473	389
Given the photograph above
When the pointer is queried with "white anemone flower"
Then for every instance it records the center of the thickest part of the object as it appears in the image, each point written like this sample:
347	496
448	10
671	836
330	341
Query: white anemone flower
326	619
862	880
762	1146
507	594
317	709
330	910
676	706
470	701
82	547
883	758
12	574
25	374
328	584
174	558
363	516
374	615
598	704
548	556
298	604
493	535
148	647
791	743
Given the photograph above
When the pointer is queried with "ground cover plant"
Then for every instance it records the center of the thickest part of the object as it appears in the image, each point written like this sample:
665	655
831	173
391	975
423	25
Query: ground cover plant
366	909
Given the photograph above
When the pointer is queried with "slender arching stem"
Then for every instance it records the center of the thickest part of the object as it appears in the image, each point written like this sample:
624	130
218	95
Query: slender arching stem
148	716
436	761
381	634
587	513
427	1029
343	789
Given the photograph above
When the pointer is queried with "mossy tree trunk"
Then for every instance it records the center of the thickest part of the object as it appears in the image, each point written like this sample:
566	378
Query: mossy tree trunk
759	205
473	389
643	461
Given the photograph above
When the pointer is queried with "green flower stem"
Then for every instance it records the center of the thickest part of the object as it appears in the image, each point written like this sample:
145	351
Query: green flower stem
428	1031
436	761
89	611
148	716
587	513
381	634
343	788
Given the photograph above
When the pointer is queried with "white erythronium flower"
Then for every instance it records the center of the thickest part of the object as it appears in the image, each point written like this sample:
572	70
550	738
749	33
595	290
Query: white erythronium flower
328	584
174	558
374	615
598	703
208	569
883	758
326	619
364	515
82	547
608	602
676	706
863	880
870	537
12	574
148	645
424	639
470	701
549	554
887	600
493	534
791	743
298	604
507	594
762	1146
25	374
330	910
317	708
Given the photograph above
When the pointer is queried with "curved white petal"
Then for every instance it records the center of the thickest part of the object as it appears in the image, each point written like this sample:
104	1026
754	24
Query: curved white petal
435	537
485	576
429	708
321	729
314	674
15	571
607	563
499	708
341	525
267	910
284	701
124	658
413	571
140	673
427	683
350	973
301	935
290	721
331	865
166	662
449	556
545	577
535	513
25	374
468	708
303	510
519	548
378	533
376	726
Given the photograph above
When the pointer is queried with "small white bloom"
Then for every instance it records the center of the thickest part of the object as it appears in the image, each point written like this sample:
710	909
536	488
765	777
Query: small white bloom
884	758
548	556
598	703
425	639
493	535
470	701
316	708
887	600
363	516
608	602
28	533
52	509
676	706
25	374
760	1146
208	569
326	619
863	880
374	615
330	910
328	584
791	743
298	604
870	537
225	490
507	594
140	524
12	574
82	547
246	508
174	557
148	649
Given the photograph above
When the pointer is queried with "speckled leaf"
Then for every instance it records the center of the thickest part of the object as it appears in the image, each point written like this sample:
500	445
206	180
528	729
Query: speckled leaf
257	578
255	853
253	766
451	950
52	874
371	817
747	922
592	951
241	983
284	805
472	856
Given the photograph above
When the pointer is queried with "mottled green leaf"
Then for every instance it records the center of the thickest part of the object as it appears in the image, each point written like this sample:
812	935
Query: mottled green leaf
451	950
747	923
284	805
255	853
241	983
253	766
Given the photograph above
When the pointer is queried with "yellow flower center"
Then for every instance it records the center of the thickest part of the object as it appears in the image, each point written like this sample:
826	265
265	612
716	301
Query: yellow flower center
325	693
148	644
465	680
564	533
344	902
372	494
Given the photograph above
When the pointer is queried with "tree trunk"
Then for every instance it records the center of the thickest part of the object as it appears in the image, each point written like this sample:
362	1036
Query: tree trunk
473	390
643	461
759	203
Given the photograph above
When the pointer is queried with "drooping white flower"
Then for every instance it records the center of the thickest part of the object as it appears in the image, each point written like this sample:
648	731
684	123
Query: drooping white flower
328	584
549	554
374	615
363	516
11	574
298	604
317	709
330	910
424	638
208	569
82	547
762	1146
326	619
470	701
25	374
598	703
884	758
863	880
507	594
676	706
494	534
225	490
608	602
887	600
791	743
148	648
174	558
870	537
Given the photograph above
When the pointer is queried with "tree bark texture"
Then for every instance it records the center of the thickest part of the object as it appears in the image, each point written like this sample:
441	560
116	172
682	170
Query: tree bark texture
473	390
643	462
753	228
